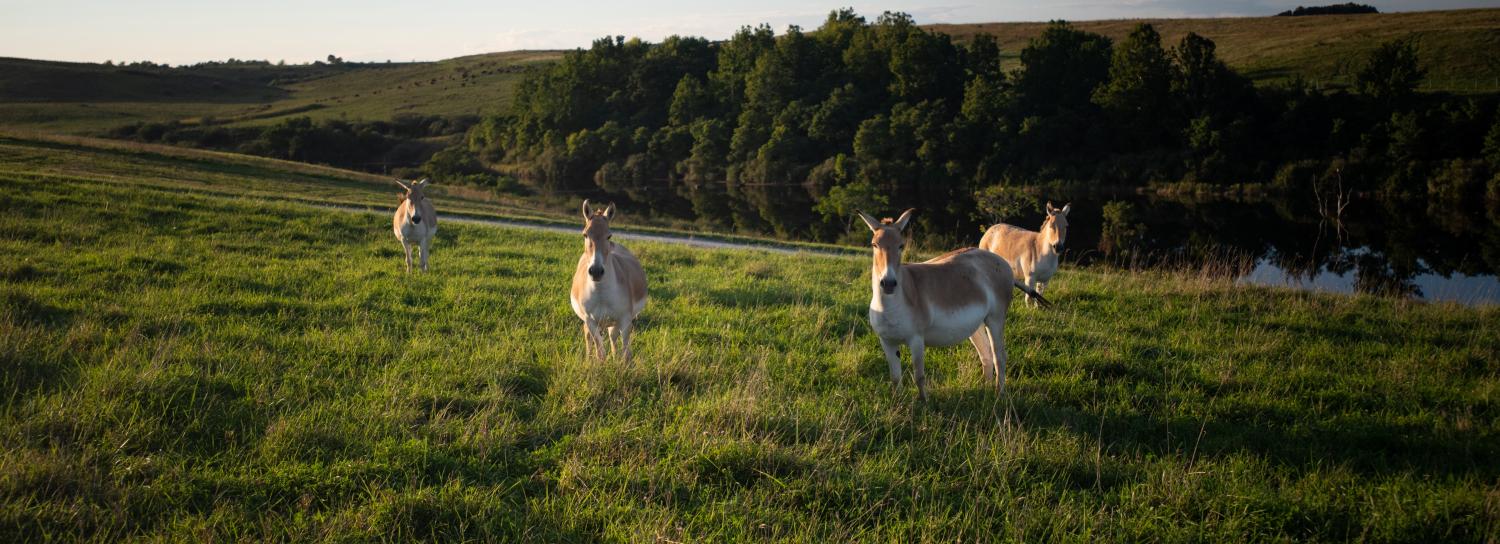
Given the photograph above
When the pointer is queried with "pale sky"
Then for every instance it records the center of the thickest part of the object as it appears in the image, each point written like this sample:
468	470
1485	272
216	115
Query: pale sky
187	31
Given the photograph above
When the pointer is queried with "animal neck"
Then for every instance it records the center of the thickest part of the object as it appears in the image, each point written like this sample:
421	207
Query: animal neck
1047	241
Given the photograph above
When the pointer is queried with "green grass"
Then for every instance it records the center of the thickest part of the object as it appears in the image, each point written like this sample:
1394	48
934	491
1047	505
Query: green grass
1454	46
199	365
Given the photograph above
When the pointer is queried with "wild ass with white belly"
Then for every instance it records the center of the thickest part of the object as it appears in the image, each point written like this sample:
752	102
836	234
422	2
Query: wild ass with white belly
609	286
1032	255
415	222
961	294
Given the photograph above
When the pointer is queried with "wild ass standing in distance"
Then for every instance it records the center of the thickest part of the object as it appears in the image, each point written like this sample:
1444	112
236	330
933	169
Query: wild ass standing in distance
962	294
1032	255
609	286
415	222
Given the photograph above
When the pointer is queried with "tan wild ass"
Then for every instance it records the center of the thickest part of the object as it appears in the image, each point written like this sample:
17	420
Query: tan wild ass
415	222
1032	255
962	294
609	286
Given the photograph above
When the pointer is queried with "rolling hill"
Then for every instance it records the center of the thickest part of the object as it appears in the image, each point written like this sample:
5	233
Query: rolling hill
83	98
1458	47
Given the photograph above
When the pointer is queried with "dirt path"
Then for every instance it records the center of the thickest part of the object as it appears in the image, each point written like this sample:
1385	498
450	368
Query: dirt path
704	242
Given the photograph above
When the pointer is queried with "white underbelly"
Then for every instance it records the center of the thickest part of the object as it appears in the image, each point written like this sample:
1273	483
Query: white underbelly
603	304
951	327
413	233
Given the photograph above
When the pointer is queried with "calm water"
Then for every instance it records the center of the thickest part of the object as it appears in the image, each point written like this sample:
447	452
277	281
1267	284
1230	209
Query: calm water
1400	249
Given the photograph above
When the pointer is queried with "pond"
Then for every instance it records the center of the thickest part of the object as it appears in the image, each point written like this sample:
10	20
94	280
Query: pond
1415	249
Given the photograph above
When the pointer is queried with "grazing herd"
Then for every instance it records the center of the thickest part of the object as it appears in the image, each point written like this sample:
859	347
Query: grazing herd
965	293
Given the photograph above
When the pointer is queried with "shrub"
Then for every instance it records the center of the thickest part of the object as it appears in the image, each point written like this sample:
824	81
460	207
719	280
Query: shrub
1456	181
1122	235
997	203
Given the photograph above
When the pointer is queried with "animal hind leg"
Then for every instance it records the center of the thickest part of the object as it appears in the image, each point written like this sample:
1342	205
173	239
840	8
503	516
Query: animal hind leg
625	327
981	341
996	326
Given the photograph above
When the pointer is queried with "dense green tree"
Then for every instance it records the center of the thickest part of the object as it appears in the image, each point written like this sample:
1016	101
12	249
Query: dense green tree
1137	97
1061	68
787	133
1390	73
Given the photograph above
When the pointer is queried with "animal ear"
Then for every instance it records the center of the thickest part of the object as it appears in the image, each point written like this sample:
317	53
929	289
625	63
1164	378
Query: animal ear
1066	208
904	219
869	221
1050	209
403	185
423	182
609	212
585	209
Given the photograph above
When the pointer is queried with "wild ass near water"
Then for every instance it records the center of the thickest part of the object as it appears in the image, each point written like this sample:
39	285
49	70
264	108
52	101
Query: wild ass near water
609	286
962	294
415	222
1032	255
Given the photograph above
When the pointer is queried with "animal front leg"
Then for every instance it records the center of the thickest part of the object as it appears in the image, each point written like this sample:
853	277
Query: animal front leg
893	359
1031	301
595	333
588	342
426	249
407	247
918	347
611	333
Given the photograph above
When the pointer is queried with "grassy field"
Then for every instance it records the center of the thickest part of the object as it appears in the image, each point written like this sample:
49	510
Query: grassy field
39	95
186	355
1456	47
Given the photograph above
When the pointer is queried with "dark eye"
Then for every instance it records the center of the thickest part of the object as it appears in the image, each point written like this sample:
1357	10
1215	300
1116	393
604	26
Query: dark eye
609	236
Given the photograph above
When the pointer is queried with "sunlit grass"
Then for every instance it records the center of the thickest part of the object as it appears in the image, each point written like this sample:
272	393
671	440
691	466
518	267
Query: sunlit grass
196	365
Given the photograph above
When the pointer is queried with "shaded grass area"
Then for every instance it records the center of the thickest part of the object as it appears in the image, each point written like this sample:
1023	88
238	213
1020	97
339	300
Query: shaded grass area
193	366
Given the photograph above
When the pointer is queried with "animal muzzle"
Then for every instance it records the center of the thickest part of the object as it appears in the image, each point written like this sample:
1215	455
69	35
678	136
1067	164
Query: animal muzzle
888	285
596	272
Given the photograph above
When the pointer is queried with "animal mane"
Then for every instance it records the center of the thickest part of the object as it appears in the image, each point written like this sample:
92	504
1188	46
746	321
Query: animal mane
887	221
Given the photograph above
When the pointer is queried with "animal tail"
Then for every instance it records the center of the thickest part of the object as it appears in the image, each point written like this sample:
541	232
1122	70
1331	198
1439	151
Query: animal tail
1033	294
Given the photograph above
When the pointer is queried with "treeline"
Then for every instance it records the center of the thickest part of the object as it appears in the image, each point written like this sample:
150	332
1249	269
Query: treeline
408	145
1347	8
789	134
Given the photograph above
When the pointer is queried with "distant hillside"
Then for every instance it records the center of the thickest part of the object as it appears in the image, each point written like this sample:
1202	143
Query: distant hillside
82	98
23	80
1460	48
